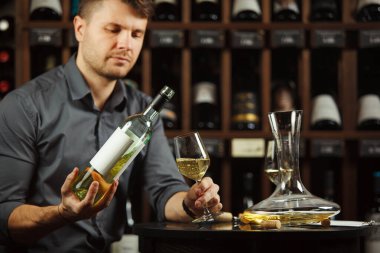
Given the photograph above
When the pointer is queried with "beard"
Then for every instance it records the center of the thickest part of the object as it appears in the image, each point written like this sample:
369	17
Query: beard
106	67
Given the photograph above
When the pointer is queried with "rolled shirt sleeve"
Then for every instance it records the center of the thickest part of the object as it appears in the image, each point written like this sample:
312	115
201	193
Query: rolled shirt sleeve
162	178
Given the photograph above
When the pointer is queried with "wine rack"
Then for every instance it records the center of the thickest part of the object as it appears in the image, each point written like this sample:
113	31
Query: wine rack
354	154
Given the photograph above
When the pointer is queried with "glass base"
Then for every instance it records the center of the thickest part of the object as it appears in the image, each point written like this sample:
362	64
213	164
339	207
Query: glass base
293	210
204	218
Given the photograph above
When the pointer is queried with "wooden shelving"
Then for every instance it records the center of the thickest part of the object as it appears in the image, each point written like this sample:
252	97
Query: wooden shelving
350	159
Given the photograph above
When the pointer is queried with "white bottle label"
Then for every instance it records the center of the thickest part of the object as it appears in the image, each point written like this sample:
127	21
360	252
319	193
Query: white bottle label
243	5
369	107
53	4
325	108
111	151
204	92
280	5
174	2
363	3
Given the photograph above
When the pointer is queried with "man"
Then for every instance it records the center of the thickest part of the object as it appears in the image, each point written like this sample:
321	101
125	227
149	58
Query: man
60	119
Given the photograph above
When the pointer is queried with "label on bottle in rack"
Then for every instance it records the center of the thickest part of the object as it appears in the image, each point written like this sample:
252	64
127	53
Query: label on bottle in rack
207	38
111	151
369	38
52	4
369	148
363	3
288	38
246	39
247	147
328	38
46	36
204	92
166	38
164	1
327	148
244	5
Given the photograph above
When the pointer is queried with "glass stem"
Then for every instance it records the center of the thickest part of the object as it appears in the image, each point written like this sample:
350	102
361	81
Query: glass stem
205	209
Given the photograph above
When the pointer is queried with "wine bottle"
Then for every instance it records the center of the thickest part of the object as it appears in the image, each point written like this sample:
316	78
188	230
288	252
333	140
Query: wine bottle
45	10
205	110
43	59
369	112
7	22
329	190
324	10
166	10
246	10
6	71
169	116
245	111
368	89
325	112
206	10
120	149
283	95
368	11
286	11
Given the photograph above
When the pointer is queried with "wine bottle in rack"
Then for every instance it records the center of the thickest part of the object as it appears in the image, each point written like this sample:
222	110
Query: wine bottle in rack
368	90
286	11
246	10
205	79
167	10
245	111
369	112
7	22
166	68
6	71
324	10
205	108
283	95
368	11
45	10
206	10
325	113
245	88
43	59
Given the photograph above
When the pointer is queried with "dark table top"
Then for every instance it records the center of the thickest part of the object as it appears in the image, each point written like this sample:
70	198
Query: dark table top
234	230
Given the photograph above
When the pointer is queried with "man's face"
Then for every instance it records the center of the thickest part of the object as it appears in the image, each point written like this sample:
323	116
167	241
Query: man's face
110	40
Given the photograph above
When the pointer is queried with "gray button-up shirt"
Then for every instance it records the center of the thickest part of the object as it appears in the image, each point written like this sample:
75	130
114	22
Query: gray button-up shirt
49	126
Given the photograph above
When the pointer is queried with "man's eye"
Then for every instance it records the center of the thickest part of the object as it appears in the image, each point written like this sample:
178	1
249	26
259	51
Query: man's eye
137	34
113	29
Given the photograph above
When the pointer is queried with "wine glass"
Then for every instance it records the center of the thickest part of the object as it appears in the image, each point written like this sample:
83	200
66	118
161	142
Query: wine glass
270	163
193	161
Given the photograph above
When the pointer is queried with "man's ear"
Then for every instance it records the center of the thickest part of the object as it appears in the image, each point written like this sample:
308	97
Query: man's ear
79	27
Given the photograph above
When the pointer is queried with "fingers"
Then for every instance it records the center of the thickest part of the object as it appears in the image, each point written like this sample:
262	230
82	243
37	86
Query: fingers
65	189
207	194
106	200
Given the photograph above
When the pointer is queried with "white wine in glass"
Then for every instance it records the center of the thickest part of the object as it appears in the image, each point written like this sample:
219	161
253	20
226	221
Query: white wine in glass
193	161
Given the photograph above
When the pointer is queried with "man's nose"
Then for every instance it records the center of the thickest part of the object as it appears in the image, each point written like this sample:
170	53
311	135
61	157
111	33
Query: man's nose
125	41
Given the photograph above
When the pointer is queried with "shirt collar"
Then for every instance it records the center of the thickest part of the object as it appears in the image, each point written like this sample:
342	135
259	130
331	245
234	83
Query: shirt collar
79	89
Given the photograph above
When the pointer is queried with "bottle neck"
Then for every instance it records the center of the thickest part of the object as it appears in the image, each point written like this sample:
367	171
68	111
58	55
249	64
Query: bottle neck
154	108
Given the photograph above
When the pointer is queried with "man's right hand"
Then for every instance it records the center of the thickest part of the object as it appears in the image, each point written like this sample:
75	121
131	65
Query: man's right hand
73	209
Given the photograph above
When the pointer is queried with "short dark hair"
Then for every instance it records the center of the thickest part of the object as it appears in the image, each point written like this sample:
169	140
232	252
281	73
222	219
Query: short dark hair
144	8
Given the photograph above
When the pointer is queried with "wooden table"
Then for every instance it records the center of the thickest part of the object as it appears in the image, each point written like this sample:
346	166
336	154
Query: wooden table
233	237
